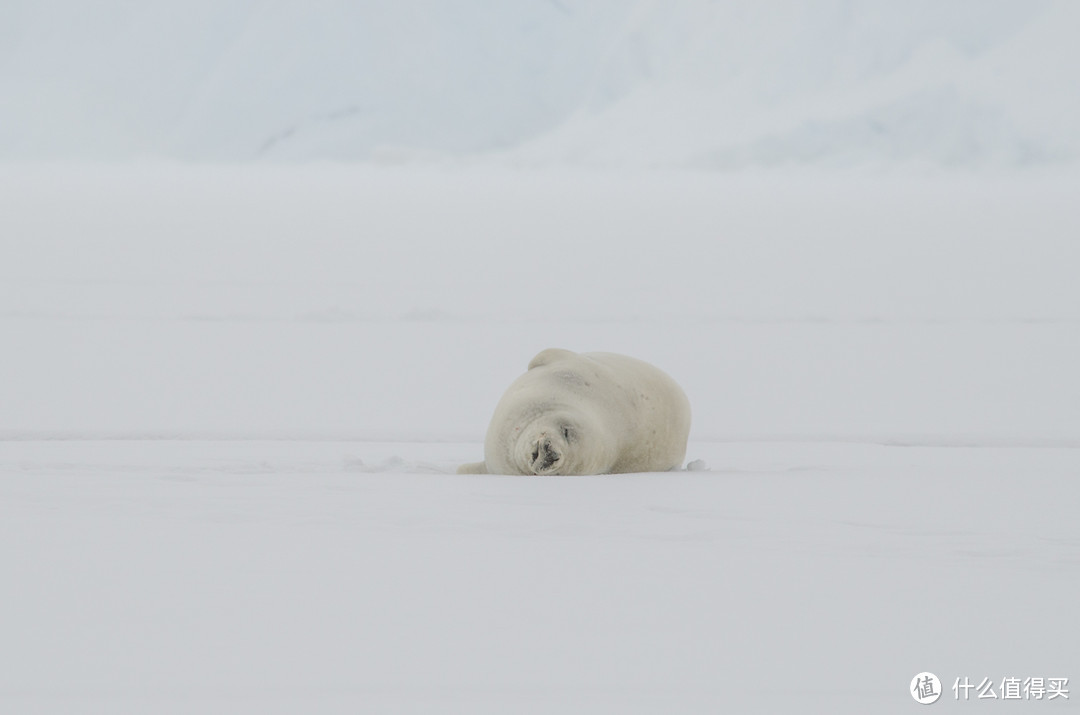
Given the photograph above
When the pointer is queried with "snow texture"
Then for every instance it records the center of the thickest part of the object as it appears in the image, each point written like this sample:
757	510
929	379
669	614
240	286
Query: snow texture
266	268
968	83
232	401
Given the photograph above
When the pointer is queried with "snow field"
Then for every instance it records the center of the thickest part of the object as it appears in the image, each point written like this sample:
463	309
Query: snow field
233	400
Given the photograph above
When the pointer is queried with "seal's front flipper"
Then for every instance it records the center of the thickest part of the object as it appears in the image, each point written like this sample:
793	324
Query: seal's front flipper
473	468
550	355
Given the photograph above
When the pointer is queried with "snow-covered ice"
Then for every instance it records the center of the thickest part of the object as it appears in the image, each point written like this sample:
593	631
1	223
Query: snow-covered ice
232	401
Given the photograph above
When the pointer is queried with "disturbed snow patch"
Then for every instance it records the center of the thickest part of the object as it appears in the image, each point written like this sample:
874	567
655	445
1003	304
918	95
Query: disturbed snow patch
393	464
396	464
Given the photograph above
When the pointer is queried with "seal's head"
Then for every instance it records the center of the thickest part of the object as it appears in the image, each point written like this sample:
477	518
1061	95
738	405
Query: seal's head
561	444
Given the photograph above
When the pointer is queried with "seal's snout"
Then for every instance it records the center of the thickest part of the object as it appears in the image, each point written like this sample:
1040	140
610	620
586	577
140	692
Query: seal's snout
545	458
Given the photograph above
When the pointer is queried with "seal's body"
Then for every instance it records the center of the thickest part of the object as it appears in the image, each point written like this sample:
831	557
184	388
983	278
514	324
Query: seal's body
589	413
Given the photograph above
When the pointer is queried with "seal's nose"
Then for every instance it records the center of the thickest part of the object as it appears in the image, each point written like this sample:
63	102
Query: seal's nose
544	456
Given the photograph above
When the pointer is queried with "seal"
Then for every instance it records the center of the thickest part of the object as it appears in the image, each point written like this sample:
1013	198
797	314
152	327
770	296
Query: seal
588	413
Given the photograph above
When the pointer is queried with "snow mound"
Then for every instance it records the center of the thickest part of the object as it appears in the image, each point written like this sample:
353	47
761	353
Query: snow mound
602	82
